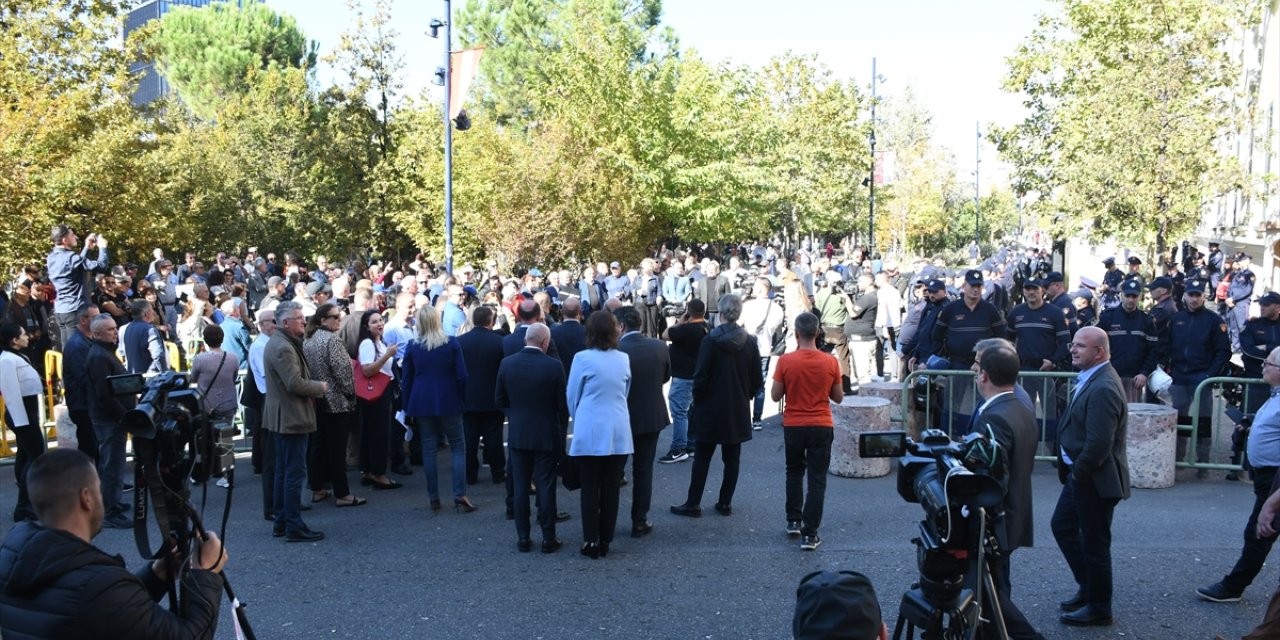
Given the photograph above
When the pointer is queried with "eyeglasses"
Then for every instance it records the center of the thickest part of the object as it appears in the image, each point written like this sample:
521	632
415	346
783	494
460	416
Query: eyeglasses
1081	345
1268	363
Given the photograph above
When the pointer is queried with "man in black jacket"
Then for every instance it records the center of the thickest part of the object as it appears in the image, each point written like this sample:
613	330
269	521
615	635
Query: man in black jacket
105	411
482	351
647	405
530	388
55	584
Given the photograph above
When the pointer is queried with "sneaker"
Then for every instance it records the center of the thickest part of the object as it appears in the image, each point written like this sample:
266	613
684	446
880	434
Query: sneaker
675	455
691	453
757	425
793	527
222	482
1217	592
809	543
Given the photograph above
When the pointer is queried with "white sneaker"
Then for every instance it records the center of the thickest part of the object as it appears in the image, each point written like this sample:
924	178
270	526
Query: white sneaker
222	482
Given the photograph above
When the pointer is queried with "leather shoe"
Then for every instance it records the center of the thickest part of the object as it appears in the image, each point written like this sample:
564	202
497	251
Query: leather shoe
1087	616
551	546
305	535
1074	603
724	509
687	511
563	516
641	529
277	531
525	545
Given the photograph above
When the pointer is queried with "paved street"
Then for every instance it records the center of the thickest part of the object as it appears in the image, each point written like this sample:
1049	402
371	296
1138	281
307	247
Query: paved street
393	569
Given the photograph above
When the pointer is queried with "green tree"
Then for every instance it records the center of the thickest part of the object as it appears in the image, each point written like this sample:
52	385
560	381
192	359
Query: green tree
914	213
1128	102
206	51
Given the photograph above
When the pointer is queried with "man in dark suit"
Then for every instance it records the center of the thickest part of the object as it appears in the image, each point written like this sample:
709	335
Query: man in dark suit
530	388
1094	471
647	405
482	350
1013	426
527	312
569	337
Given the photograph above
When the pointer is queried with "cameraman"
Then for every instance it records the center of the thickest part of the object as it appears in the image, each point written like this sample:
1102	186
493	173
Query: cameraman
86	593
829	305
1013	426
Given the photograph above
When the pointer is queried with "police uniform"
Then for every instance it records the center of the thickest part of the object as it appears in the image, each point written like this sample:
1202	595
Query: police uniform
1136	274
1133	341
1239	292
956	331
1197	347
1214	264
1041	334
1257	339
1113	279
1062	302
1179	282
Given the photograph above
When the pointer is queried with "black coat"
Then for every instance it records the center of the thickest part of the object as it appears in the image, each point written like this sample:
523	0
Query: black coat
482	351
650	369
1093	430
515	342
1014	427
101	364
568	338
55	585
531	390
725	382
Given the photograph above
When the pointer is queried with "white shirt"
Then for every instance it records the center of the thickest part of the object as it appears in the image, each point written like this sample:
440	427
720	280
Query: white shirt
369	354
256	350
18	379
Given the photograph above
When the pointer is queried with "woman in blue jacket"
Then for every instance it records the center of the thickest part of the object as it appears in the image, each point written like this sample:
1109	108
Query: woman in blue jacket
434	379
599	380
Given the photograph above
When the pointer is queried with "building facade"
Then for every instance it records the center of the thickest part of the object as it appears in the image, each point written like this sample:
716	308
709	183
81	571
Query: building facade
151	84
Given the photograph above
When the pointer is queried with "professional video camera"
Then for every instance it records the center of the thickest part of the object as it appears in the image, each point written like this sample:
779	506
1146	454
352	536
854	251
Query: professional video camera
957	484
673	309
175	443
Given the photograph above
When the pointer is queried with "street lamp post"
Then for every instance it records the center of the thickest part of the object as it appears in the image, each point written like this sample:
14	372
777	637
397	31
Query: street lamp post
871	180
443	77
977	192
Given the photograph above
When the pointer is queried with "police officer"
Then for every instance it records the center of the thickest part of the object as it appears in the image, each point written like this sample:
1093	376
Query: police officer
1178	280
1215	263
1238	294
1135	271
1055	293
960	325
1040	334
1132	335
1259	336
917	348
1111	281
1197	347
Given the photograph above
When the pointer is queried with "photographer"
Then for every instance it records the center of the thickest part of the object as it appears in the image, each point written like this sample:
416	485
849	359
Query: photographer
86	593
829	304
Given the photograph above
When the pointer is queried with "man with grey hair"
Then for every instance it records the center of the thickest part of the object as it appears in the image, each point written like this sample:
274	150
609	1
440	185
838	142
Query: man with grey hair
75	386
760	318
237	338
144	350
253	397
105	411
256	283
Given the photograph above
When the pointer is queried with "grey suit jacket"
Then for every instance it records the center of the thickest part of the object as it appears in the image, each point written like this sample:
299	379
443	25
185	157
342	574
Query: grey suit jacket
1014	428
650	369
1093	432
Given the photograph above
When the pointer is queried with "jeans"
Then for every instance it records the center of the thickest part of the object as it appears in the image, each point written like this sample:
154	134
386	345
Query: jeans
1256	549
599	495
290	473
86	439
67	325
432	428
1081	524
757	409
268	472
808	452
111	463
679	398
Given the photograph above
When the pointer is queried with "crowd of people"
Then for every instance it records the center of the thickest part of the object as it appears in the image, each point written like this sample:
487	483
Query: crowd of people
338	366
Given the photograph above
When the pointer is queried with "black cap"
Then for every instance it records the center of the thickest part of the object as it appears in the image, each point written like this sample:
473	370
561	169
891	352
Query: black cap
973	277
935	285
836	605
1245	256
1131	287
1196	286
1214	243
1032	282
1135	260
1270	297
1160	283
1109	261
1054	276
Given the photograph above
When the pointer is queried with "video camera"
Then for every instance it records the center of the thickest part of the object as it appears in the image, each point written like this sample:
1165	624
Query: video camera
673	309
957	484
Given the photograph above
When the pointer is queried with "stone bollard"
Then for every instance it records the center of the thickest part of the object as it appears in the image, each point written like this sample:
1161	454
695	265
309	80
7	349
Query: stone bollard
892	391
1152	445
858	414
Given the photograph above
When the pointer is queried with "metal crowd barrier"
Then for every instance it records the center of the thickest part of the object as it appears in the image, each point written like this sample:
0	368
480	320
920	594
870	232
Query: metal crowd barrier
1217	417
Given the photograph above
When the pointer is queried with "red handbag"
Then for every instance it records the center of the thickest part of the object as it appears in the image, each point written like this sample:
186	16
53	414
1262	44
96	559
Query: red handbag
369	388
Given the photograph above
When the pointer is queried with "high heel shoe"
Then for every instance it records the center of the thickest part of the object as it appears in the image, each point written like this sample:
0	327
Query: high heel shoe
591	550
463	505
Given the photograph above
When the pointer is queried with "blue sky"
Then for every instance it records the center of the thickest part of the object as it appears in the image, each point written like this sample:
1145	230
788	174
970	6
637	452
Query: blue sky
951	52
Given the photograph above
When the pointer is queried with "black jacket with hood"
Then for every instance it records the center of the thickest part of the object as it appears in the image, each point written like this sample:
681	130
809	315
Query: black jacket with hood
725	381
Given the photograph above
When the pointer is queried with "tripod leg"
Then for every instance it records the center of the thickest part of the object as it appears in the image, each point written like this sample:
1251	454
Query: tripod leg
991	607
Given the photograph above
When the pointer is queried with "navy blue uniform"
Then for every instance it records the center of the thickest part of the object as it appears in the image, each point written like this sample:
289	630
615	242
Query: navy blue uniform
1063	302
1040	334
1133	341
1112	279
920	346
1240	290
1259	337
1196	346
958	328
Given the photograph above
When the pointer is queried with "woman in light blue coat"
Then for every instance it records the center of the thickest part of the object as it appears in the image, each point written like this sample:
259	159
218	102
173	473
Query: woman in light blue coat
599	380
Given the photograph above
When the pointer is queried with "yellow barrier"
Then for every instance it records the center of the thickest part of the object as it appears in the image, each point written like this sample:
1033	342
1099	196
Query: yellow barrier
4	433
175	356
52	367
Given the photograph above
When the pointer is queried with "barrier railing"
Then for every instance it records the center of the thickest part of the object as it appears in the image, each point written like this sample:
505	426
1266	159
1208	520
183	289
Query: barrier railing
1251	386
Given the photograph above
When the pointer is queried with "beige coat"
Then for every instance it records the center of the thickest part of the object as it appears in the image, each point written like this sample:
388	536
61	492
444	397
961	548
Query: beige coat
289	407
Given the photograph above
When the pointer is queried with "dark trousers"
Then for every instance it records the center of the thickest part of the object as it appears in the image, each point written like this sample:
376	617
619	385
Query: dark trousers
599	495
808	451
486	425
538	467
86	439
730	455
253	429
328	463
111	463
1255	549
1081	524
268	472
290	472
649	322
1016	624
375	420
646	450
31	445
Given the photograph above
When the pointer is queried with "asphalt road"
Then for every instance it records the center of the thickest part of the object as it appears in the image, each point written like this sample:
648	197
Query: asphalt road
393	569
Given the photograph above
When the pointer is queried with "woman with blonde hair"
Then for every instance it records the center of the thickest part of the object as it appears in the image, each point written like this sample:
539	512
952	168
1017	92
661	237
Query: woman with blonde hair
434	383
796	301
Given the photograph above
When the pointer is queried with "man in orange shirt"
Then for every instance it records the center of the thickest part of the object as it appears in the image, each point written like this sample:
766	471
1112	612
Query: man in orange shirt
807	378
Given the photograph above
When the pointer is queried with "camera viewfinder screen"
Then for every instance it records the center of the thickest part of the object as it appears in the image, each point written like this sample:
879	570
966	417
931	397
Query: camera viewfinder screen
126	384
884	444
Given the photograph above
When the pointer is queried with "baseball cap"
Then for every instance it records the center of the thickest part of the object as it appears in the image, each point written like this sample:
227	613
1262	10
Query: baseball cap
1196	286
1131	287
935	285
1054	276
318	287
1270	297
615	265
836	604
535	272
1160	283
1032	282
973	277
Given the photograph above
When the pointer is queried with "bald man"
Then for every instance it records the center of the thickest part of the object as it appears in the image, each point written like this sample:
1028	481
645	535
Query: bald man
1094	471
